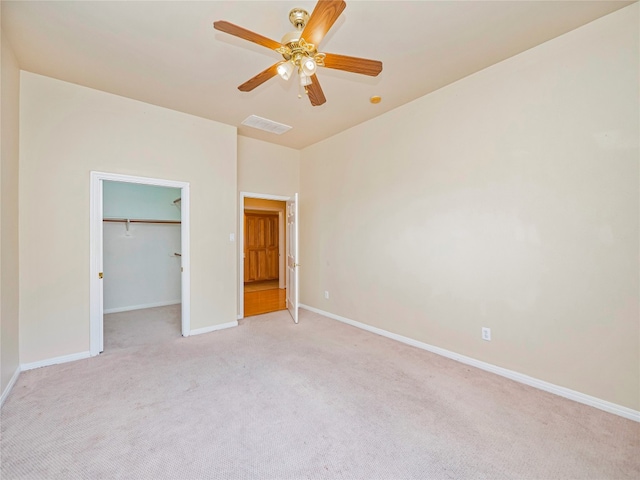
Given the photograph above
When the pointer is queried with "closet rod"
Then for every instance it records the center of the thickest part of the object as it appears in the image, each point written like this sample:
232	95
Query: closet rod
132	220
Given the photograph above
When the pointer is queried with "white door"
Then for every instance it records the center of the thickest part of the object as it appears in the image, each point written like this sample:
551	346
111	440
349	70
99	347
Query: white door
100	260
292	257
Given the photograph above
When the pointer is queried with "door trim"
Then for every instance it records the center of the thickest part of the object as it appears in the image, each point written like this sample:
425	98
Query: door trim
96	307
261	196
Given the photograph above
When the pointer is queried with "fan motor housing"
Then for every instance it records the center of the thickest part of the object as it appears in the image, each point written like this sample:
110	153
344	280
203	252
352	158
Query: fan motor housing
291	39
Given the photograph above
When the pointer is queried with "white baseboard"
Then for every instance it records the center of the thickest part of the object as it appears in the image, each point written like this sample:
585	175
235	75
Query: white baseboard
140	307
213	328
54	361
516	376
12	382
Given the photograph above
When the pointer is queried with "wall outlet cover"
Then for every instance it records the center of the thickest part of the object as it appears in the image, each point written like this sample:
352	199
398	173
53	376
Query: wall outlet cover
486	333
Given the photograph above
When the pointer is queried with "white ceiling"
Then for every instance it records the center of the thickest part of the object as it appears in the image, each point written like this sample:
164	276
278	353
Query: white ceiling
168	54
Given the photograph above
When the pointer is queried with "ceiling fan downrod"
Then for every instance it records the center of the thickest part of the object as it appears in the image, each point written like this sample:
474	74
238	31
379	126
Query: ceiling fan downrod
298	18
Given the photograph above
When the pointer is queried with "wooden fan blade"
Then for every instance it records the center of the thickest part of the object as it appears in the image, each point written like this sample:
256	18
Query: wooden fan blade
245	34
353	64
259	79
324	15
316	95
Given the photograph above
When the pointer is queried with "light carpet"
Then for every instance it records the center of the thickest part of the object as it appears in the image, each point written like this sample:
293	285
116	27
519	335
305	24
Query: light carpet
318	400
137	328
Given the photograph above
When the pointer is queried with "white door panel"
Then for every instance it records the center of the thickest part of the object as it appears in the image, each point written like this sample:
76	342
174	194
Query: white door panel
292	257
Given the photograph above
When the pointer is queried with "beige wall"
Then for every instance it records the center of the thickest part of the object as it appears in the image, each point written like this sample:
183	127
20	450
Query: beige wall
510	200
10	88
261	204
267	168
68	131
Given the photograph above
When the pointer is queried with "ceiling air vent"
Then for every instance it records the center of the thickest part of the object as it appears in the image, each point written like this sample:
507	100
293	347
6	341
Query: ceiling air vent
265	124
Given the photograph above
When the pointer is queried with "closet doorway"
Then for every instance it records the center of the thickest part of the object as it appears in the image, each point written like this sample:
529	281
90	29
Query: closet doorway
139	260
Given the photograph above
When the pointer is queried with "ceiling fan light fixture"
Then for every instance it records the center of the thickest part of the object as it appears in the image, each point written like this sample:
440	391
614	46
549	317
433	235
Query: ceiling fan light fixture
308	66
285	69
304	79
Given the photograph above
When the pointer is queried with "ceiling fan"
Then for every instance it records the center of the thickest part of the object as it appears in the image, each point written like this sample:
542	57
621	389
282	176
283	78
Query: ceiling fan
299	50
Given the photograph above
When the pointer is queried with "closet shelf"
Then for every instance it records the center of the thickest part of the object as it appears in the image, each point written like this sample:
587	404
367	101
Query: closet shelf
140	220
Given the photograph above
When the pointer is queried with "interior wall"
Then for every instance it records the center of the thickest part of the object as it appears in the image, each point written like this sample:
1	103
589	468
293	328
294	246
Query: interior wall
9	247
262	204
67	131
137	200
266	168
508	200
141	269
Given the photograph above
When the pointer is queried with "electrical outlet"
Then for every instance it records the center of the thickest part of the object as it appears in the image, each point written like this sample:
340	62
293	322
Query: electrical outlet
486	334
326	294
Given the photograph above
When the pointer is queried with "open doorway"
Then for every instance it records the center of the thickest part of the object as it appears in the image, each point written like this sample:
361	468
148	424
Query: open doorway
141	264
264	250
120	243
267	254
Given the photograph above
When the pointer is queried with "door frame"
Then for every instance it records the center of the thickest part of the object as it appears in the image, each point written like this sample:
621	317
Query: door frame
281	220
96	298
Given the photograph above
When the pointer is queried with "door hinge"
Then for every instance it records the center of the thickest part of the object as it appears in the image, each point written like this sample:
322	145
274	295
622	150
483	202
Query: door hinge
100	275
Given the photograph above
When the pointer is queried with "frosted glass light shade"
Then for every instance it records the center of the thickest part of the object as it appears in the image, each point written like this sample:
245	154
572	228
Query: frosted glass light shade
304	79
285	69
308	66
